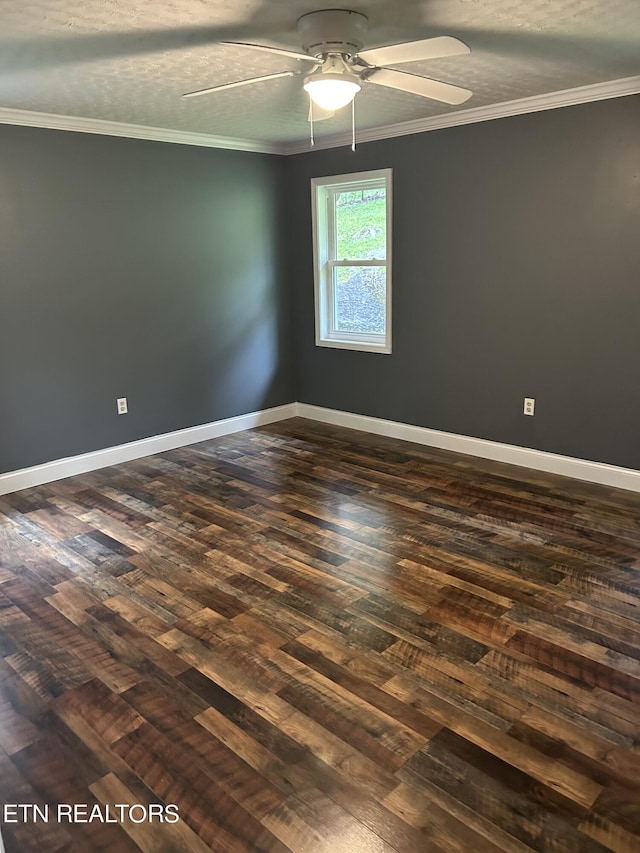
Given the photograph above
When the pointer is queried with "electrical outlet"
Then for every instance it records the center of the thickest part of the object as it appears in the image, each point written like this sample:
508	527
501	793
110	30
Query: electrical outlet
529	405
122	405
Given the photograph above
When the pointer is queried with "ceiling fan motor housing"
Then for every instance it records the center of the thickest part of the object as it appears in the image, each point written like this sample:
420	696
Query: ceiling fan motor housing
333	31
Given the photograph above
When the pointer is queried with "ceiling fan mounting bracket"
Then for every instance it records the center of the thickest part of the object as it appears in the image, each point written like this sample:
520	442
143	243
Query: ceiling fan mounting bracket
333	31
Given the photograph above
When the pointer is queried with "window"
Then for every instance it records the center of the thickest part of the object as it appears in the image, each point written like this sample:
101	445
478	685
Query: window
352	260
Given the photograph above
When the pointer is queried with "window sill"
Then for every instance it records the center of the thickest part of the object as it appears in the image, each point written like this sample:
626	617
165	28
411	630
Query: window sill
358	346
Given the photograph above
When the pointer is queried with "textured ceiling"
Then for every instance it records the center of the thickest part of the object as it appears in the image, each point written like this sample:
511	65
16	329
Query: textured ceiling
129	60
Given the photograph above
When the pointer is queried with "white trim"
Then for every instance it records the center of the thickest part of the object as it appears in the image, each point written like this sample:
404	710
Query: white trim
26	118
548	101
13	481
552	463
533	104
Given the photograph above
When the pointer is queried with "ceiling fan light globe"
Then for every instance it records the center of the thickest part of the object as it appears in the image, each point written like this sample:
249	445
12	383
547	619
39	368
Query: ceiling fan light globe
332	91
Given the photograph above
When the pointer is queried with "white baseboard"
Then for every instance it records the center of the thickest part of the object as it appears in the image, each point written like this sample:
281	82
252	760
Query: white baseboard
60	468
539	460
552	463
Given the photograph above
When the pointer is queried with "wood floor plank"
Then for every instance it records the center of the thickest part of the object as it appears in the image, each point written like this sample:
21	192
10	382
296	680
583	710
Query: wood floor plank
312	640
151	837
443	816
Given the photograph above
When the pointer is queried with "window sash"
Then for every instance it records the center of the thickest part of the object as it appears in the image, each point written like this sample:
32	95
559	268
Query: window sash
332	193
331	330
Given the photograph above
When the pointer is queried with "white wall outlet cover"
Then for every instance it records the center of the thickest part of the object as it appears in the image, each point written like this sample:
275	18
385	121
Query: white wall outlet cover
122	405
529	405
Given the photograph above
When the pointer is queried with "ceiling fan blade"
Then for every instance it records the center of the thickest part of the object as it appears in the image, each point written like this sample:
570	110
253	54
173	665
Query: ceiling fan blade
546	44
235	85
414	51
417	85
281	51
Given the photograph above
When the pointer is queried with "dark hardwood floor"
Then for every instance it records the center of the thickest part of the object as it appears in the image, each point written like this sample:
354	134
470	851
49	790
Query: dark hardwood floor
310	639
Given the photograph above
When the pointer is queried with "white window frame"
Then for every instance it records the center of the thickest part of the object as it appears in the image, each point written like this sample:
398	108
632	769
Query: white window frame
323	194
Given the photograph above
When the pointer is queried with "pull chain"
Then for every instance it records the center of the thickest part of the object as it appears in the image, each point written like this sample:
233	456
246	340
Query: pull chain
353	124
313	141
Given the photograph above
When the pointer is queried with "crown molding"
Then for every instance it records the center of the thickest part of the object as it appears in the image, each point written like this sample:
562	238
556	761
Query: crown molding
51	121
536	103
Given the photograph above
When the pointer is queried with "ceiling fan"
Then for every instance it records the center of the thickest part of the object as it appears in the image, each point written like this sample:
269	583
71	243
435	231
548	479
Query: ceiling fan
332	42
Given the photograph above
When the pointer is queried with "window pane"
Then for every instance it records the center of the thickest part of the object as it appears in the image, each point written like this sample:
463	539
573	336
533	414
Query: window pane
360	225
360	299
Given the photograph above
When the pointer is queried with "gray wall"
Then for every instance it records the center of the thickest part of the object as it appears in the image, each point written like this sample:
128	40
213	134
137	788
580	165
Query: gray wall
138	269
516	273
182	278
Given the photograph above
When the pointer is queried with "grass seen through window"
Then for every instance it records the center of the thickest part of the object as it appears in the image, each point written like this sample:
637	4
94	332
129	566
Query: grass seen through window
360	225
